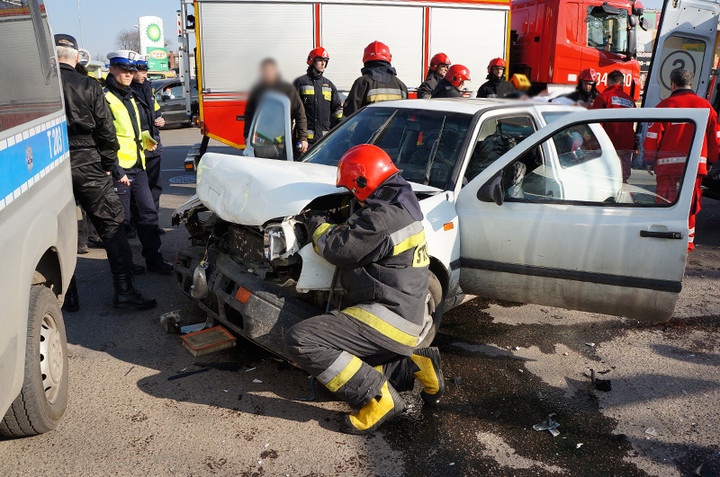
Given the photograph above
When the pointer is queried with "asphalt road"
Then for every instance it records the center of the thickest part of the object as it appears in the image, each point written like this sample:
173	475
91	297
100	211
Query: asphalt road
507	366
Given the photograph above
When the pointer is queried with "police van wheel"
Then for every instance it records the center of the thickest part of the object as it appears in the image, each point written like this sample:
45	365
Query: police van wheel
44	395
434	298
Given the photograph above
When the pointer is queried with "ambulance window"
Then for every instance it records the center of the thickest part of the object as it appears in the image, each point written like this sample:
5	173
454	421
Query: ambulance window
607	29
29	64
683	53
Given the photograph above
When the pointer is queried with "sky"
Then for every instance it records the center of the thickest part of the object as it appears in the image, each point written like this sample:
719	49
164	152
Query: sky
102	20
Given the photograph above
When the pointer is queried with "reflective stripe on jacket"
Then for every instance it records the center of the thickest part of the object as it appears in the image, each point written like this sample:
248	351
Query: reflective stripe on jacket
321	100
127	135
367	90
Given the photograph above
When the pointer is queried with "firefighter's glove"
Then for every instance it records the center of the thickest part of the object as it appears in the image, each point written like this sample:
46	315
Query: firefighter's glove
311	220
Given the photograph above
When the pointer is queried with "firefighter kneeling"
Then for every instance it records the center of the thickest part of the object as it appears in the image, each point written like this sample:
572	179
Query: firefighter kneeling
366	352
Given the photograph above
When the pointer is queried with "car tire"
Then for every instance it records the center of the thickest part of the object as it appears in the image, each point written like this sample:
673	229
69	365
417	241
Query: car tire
434	300
44	395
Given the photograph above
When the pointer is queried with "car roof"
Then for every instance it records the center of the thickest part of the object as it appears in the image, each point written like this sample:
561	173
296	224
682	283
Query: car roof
473	105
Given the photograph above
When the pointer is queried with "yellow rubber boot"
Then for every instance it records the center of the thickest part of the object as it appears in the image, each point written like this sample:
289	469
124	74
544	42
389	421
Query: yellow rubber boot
430	373
375	412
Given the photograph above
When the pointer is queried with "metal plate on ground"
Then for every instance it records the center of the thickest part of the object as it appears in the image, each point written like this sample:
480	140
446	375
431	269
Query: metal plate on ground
184	179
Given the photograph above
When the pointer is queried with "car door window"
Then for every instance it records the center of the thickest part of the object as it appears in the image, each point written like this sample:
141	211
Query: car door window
600	163
497	136
268	136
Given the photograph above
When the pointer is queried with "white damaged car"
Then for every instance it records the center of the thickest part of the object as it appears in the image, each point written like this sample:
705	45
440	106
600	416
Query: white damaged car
523	201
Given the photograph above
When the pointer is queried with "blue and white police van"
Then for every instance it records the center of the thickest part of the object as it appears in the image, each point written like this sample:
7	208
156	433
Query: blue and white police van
38	227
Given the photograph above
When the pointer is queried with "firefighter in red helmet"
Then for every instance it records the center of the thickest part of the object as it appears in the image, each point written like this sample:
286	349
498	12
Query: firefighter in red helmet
379	81
496	85
368	351
452	84
319	95
586	90
439	65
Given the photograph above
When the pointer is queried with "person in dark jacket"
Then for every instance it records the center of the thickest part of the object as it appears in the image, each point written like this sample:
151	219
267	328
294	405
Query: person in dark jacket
439	65
152	120
93	158
270	80
585	92
368	351
496	85
452	84
319	95
379	81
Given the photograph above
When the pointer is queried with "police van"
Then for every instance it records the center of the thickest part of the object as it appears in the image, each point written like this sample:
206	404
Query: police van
38	229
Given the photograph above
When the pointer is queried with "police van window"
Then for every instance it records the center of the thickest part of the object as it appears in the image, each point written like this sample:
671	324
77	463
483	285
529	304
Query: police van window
497	136
600	164
425	145
607	29
30	87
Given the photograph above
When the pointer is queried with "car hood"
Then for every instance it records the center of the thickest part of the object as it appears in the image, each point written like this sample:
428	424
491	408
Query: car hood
251	191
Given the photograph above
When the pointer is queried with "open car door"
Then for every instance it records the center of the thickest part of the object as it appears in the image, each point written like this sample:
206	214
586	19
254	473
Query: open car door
270	133
569	218
685	39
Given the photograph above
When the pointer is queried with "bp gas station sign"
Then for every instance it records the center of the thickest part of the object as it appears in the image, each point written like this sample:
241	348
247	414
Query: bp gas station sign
152	42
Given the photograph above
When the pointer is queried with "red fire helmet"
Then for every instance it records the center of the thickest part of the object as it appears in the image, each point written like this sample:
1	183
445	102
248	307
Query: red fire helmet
363	168
497	62
377	50
589	74
318	52
439	59
457	74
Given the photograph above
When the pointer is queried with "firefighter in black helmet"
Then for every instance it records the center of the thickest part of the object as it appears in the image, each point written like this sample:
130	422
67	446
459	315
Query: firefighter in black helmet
319	95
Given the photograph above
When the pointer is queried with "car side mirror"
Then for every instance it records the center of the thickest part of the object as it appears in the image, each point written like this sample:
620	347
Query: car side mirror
644	23
492	191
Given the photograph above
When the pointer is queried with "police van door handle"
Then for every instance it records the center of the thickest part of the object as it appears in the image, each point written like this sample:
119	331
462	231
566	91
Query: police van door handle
662	235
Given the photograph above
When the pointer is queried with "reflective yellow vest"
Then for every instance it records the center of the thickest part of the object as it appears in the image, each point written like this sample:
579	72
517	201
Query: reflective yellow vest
127	154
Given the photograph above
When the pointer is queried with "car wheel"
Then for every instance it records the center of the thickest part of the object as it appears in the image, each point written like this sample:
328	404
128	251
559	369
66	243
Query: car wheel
432	303
44	395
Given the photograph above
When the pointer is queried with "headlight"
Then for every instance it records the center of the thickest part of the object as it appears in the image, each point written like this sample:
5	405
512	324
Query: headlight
280	242
274	242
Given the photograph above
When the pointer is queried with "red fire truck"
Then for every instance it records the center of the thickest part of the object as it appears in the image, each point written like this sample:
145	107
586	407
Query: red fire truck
553	40
233	36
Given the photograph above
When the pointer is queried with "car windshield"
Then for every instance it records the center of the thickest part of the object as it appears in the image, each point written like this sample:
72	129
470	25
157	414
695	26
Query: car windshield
608	30
425	145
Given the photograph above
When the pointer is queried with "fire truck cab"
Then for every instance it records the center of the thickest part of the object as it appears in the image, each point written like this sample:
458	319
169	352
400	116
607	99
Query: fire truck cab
553	40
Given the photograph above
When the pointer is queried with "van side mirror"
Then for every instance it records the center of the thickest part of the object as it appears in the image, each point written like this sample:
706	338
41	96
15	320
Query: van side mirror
492	191
644	23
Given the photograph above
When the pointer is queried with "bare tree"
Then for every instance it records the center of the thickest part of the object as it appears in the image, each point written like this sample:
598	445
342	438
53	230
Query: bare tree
128	40
100	57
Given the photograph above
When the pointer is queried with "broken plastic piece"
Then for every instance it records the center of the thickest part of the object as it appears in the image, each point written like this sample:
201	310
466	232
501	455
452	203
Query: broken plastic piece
548	425
651	431
578	445
592	345
257	381
171	321
193	328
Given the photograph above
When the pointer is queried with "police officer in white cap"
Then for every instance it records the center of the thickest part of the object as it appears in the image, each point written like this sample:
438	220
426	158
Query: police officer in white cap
132	185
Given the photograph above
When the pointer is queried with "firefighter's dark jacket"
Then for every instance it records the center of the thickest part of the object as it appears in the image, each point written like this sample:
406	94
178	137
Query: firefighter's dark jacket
321	100
148	113
431	81
495	87
383	261
91	133
445	89
379	82
297	111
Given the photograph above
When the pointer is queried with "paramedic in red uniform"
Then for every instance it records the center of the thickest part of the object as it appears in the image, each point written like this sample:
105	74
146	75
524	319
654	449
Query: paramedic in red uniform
667	145
622	134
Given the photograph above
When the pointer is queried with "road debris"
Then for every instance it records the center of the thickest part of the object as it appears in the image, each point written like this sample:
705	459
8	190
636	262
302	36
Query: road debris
257	381
651	431
312	391
193	328
592	345
171	321
604	385
250	369
578	445
232	366
189	373
548	425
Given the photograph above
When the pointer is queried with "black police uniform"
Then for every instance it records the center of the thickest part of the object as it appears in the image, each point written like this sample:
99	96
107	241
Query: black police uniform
137	195
446	89
379	82
382	261
495	87
93	154
145	100
425	90
321	100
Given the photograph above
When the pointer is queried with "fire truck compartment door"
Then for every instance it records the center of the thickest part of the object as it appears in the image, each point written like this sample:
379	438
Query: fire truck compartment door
685	39
621	255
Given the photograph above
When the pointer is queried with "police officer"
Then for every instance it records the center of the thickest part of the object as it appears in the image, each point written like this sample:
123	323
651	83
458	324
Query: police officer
379	81
496	85
366	352
93	157
439	65
151	120
319	95
667	145
133	187
452	84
